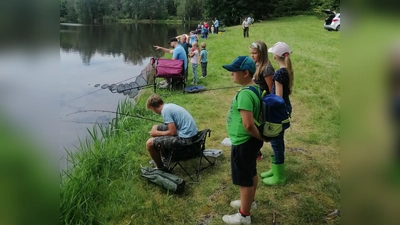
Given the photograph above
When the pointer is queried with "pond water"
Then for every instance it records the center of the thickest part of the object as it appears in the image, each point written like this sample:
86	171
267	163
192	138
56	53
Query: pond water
94	55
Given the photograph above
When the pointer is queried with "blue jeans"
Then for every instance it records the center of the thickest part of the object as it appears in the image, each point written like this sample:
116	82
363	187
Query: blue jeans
278	146
194	67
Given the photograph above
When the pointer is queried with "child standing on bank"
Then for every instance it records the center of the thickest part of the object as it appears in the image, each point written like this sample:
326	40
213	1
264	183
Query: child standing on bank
203	60
245	137
283	86
265	72
194	54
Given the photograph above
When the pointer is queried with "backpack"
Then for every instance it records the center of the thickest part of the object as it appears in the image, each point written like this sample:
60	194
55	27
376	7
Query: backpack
274	117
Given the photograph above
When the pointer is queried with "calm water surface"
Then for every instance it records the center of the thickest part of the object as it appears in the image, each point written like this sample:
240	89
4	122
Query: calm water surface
105	54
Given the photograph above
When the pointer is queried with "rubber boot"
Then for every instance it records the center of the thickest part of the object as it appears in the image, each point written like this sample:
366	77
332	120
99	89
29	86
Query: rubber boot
279	175
270	172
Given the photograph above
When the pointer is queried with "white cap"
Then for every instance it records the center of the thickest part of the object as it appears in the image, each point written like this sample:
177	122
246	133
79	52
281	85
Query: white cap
279	49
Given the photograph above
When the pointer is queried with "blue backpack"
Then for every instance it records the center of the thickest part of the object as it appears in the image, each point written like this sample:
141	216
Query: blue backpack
274	117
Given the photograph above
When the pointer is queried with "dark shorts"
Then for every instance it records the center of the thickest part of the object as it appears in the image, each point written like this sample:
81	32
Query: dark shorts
166	143
243	162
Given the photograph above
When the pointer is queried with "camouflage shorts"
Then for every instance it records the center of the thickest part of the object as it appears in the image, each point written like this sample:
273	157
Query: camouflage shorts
168	142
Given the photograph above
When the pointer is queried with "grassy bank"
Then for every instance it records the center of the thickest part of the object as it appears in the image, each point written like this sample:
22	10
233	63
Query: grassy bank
105	186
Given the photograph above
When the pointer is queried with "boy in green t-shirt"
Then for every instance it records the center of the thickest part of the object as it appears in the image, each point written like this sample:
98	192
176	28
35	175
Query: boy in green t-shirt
245	138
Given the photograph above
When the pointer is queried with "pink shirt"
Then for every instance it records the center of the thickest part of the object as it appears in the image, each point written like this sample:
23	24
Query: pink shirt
195	58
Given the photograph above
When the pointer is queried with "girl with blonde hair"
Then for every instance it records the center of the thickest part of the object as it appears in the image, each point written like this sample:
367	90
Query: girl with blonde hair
283	86
265	72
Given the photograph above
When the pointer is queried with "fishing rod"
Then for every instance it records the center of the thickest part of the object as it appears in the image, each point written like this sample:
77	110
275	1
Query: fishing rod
108	111
83	122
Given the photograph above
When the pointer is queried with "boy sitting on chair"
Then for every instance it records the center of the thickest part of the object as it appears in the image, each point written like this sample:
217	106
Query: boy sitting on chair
180	128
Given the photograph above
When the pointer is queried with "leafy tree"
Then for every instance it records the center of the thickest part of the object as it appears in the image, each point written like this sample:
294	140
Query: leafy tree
228	12
63	8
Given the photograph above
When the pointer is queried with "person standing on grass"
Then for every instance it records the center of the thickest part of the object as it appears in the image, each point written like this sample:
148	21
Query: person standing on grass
265	72
203	60
192	37
245	26
183	40
283	86
216	25
245	138
205	28
249	20
194	54
178	129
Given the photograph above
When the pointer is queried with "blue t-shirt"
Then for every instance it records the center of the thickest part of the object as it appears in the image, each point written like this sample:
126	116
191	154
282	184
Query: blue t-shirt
192	39
184	122
216	24
203	54
180	54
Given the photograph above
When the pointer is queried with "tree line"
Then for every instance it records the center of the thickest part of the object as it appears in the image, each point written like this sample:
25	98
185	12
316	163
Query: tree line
230	12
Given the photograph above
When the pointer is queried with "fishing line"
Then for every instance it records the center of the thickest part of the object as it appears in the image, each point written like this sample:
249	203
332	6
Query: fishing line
107	111
63	103
73	121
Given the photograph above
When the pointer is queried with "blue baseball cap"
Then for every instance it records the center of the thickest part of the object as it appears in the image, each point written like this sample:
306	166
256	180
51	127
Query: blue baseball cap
241	63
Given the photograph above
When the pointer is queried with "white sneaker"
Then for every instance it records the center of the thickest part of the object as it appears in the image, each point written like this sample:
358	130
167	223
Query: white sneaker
236	219
236	204
164	86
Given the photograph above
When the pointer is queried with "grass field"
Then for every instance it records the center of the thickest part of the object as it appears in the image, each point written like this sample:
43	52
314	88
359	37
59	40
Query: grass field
106	187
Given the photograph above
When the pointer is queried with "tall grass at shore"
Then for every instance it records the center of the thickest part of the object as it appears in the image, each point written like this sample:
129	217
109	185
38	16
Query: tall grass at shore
104	185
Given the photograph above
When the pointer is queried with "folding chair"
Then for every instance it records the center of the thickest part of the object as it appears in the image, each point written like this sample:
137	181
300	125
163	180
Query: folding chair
171	69
193	151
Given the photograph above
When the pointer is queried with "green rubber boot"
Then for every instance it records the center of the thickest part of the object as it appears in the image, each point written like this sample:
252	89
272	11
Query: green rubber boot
279	175
270	172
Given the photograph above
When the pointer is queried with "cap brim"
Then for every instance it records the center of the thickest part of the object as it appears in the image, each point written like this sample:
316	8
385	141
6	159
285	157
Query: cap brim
271	49
230	68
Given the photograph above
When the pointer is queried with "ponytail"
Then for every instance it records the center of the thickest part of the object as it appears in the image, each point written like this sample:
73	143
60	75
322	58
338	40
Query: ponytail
289	68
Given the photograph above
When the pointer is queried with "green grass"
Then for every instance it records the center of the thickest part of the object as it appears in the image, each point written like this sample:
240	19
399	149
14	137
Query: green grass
105	186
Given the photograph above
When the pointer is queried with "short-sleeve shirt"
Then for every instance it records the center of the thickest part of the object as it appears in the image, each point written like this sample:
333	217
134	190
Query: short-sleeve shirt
180	54
186	47
195	58
184	122
282	76
216	23
203	54
268	71
192	39
245	23
246	100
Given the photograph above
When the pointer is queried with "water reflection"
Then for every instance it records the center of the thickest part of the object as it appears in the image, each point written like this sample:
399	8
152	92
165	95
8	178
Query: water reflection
133	41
